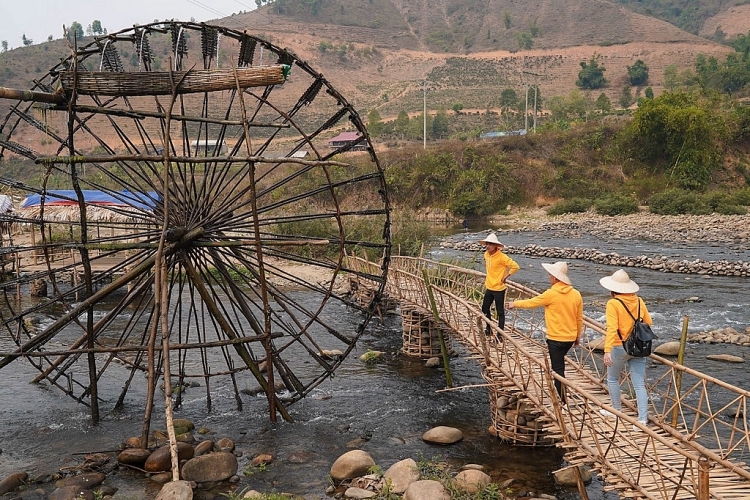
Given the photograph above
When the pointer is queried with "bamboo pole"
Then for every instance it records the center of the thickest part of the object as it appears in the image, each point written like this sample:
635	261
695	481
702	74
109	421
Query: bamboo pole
436	316
704	491
678	375
31	95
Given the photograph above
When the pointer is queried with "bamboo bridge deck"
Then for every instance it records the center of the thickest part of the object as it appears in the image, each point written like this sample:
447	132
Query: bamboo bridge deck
697	439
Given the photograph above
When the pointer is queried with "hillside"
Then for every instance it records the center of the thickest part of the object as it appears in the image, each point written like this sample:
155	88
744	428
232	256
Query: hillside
378	53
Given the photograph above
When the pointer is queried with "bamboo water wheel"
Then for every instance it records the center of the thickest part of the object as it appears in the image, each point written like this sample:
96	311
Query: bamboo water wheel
211	147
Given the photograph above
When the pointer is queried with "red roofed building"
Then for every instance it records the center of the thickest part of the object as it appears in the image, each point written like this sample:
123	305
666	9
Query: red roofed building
345	139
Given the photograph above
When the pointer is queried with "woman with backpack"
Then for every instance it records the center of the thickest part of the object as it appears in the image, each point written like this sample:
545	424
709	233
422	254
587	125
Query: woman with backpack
622	309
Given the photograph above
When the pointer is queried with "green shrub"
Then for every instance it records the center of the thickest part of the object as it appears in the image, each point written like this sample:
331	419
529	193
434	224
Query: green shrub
616	204
729	209
741	197
570	206
676	202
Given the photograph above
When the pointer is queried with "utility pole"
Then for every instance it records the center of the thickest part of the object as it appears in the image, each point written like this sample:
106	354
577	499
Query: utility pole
424	117
526	112
535	87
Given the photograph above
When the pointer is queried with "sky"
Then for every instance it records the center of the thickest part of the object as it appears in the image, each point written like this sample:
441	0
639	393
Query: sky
38	19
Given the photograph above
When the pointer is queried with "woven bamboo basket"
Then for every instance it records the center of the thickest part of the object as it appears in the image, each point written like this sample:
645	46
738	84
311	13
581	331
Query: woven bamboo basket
420	334
160	82
514	418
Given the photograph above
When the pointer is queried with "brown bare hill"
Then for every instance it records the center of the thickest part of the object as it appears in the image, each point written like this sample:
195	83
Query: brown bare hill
378	53
732	21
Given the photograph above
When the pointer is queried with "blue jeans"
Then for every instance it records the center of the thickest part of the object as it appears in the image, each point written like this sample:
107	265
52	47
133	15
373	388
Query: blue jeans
637	369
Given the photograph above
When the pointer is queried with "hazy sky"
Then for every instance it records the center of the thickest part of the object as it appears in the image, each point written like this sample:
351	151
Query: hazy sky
39	19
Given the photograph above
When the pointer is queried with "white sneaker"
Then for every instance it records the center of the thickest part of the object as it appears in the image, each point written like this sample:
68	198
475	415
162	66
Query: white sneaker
607	414
638	429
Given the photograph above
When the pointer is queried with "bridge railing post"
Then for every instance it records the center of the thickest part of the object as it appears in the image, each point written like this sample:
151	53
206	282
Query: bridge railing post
703	478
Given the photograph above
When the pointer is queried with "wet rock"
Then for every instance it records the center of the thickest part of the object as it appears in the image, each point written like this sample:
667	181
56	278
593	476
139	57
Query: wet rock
402	474
262	458
567	476
203	447
351	464
224	444
133	442
38	288
300	457
433	363
12	482
218	466
443	435
668	349
183	423
71	493
253	494
87	480
471	481
161	459
134	456
176	490
162	477
729	358
426	490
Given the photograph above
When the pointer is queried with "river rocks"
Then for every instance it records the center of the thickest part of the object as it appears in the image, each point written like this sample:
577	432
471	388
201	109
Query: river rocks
668	349
71	493
133	456
176	490
203	447
443	435
161	459
426	490
729	358
213	467
471	481
12	482
261	459
721	336
402	474
685	228
434	362
351	464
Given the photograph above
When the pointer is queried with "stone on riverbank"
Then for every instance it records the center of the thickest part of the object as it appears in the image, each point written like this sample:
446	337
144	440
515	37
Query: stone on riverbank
71	493
567	476
443	435
134	456
86	480
426	490
351	464
359	493
402	474
471	481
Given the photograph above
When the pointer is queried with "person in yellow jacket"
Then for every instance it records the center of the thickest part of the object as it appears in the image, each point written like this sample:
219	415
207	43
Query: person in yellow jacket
563	316
499	266
622	290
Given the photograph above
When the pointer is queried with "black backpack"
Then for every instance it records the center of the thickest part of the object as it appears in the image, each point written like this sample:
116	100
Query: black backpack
639	342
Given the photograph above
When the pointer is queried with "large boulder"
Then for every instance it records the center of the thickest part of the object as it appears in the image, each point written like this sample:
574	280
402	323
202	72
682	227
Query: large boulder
213	467
86	480
12	482
668	349
134	456
567	476
351	464
402	474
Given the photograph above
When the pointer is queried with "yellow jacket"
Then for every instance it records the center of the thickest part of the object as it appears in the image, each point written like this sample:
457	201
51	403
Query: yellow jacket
497	266
563	311
619	319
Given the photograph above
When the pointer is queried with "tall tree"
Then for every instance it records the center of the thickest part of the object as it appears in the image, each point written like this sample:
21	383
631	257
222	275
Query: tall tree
638	73
96	27
26	41
75	31
591	75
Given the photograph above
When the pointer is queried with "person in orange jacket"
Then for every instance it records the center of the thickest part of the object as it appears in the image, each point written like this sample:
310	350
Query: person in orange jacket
499	266
622	290
563	316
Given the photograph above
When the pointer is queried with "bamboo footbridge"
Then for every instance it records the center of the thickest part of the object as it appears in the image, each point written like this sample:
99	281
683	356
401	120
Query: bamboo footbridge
697	440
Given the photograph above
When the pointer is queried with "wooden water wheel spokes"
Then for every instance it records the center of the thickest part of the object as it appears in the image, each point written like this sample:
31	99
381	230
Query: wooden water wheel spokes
221	191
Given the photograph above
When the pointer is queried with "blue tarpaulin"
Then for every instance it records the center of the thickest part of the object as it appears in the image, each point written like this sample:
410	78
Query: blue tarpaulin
61	197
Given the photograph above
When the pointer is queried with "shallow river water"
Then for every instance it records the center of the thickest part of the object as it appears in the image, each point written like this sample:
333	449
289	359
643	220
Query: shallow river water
391	404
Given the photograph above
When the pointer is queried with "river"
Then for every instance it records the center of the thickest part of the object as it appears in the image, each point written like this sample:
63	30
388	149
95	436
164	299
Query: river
390	404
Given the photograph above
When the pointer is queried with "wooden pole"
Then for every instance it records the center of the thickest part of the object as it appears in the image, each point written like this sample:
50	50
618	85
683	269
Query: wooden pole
678	375
704	491
443	348
30	95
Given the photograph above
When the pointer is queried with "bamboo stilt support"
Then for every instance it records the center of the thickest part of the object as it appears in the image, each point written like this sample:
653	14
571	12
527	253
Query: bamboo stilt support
678	375
443	348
